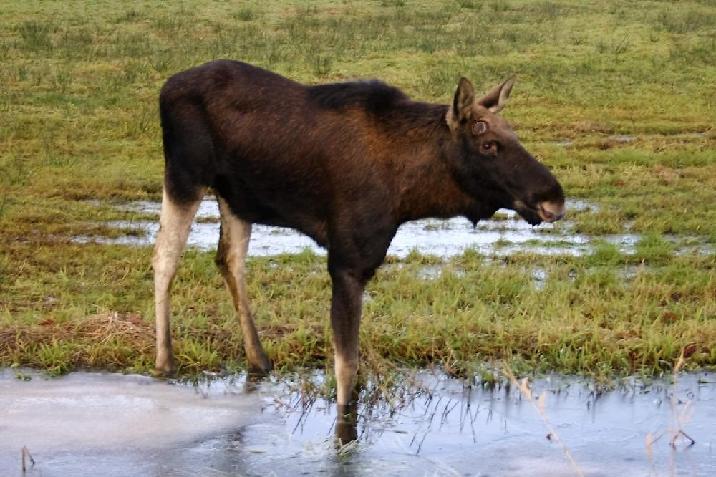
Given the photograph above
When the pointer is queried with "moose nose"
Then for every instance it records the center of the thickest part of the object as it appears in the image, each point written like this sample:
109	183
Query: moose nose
551	211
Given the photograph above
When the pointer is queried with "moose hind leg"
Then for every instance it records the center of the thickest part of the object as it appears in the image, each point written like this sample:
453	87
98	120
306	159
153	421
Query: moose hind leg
231	260
174	225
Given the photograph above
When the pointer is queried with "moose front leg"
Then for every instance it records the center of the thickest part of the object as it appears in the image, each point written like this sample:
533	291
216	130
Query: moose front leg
345	321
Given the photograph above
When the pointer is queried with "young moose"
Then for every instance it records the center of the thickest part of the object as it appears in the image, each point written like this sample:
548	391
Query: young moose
345	164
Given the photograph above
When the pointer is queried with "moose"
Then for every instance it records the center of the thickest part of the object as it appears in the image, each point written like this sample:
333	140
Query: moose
344	163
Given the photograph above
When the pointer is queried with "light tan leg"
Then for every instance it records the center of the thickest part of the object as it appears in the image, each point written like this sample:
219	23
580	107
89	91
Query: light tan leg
174	225
231	260
346	303
345	320
346	369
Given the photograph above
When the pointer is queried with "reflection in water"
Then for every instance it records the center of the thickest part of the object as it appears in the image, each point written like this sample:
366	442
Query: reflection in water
102	424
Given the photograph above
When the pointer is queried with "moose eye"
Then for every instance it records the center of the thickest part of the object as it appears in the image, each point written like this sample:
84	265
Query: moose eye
489	146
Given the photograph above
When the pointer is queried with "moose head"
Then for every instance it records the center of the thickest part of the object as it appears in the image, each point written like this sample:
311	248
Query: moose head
492	164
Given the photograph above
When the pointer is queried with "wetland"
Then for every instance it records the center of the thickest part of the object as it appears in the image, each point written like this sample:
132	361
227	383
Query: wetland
617	100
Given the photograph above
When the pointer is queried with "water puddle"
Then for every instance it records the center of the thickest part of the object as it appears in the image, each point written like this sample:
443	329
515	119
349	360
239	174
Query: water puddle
87	424
504	234
621	138
539	278
562	143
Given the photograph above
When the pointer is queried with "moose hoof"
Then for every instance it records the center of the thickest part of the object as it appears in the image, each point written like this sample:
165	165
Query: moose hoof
260	370
260	367
346	424
164	368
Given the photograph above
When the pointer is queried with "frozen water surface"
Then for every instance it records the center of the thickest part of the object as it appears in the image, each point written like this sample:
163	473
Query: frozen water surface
90	424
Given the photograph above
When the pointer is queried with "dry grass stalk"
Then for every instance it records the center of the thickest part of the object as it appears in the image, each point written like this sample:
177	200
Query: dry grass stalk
681	416
539	405
25	453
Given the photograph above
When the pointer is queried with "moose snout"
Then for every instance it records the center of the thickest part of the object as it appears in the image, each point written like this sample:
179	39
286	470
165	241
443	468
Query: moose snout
551	211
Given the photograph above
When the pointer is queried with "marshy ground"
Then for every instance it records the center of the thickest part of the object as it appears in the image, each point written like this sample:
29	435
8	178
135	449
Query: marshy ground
618	99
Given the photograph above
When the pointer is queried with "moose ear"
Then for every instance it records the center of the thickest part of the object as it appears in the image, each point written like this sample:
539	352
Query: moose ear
496	99
461	109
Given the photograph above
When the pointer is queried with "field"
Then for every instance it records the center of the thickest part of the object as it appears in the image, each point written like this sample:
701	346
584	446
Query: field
618	99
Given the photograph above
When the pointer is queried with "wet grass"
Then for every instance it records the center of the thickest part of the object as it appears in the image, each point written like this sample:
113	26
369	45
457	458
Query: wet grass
78	124
588	315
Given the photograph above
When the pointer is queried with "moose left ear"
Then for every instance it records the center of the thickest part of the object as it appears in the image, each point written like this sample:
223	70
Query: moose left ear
462	103
496	99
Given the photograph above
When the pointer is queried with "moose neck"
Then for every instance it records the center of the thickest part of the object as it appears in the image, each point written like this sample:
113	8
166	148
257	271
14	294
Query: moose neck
426	185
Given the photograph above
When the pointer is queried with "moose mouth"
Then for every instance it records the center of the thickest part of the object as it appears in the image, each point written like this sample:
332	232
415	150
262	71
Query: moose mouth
543	212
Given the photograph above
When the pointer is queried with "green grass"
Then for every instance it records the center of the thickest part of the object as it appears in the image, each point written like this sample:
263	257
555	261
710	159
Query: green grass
590	316
78	124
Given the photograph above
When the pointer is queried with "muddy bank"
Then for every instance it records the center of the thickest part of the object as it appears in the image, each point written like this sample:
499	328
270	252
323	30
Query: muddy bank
105	424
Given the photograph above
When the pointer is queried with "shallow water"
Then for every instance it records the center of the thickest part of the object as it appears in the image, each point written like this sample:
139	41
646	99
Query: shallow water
501	236
89	424
437	237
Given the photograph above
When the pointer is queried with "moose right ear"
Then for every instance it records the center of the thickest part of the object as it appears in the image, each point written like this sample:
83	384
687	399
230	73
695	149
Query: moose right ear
461	110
